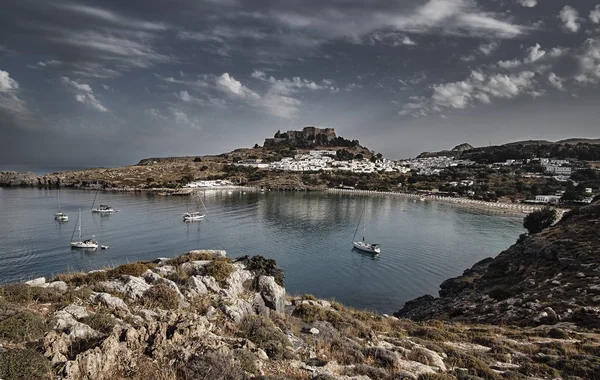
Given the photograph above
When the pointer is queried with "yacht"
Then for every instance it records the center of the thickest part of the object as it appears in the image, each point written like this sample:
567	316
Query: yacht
80	243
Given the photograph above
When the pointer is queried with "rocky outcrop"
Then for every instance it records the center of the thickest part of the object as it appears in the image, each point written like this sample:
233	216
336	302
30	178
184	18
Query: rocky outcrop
170	320
548	278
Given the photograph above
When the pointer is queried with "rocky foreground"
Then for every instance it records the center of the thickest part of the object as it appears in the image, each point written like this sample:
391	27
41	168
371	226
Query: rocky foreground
205	316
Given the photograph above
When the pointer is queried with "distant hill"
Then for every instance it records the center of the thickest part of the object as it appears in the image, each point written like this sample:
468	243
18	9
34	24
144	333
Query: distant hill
575	148
462	147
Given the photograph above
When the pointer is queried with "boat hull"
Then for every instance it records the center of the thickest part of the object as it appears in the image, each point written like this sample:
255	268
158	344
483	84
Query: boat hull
371	248
103	211
81	244
61	217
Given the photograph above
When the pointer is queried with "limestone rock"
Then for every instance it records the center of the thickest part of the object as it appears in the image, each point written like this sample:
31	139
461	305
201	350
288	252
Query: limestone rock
195	287
131	286
110	301
238	310
211	284
78	312
65	322
213	252
61	286
273	294
236	283
165	270
195	267
427	356
36	281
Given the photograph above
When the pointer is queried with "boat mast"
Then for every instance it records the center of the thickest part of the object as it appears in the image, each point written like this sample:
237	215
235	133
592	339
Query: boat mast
358	225
79	224
58	199
93	203
74	228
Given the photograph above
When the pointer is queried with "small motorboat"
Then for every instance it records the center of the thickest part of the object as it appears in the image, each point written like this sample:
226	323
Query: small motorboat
103	209
104	247
61	217
193	216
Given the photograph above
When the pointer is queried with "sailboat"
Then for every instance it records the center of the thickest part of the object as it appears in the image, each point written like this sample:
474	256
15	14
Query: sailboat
60	216
80	243
362	245
102	209
196	215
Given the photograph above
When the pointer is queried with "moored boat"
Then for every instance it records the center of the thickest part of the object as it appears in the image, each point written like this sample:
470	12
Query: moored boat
80	243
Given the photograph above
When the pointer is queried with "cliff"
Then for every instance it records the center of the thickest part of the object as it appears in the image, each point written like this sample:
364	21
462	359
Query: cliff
548	278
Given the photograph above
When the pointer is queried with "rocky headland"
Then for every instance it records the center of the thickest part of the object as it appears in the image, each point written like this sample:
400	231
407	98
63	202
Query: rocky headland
530	313
552	277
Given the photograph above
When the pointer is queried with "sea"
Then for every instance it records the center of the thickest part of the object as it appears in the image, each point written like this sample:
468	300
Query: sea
309	234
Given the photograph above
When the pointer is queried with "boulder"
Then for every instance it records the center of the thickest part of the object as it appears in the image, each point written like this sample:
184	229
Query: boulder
65	322
213	252
273	294
61	286
211	284
132	287
110	301
195	287
238	280
195	267
426	356
36	281
78	312
165	270
238	310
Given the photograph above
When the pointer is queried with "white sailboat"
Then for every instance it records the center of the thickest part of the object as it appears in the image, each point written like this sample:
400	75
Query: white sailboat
102	209
80	243
362	245
60	216
195	216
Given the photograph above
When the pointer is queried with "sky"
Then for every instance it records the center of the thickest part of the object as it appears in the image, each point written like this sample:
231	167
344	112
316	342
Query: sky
105	83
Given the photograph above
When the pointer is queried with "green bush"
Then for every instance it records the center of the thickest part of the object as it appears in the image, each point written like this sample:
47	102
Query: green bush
162	296
22	293
22	327
538	220
185	258
23	365
220	269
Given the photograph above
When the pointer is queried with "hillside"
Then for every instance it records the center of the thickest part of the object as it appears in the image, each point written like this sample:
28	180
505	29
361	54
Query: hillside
575	148
544	279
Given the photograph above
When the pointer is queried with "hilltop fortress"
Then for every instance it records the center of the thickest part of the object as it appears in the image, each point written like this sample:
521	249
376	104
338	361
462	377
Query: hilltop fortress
308	136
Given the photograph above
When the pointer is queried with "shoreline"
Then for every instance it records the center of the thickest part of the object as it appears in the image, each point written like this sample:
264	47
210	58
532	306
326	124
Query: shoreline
515	208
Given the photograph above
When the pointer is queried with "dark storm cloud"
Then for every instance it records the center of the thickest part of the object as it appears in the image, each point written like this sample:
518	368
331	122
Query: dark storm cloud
188	77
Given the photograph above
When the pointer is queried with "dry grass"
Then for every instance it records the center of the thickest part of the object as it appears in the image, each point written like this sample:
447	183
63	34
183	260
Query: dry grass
161	296
220	269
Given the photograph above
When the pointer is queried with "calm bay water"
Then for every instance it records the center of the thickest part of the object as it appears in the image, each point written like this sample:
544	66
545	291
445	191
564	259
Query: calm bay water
309	234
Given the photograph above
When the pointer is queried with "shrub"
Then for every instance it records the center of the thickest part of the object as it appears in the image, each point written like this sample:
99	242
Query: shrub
261	266
372	372
558	333
500	293
346	351
382	357
436	376
265	334
23	365
20	293
247	361
540	219
101	321
132	269
220	269
161	295
210	366
190	256
22	327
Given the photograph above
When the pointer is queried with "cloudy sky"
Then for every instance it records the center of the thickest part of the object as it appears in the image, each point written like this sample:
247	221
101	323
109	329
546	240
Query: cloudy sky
109	82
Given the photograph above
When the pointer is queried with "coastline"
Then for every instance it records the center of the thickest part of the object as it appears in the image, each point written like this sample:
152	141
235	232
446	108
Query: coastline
463	202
